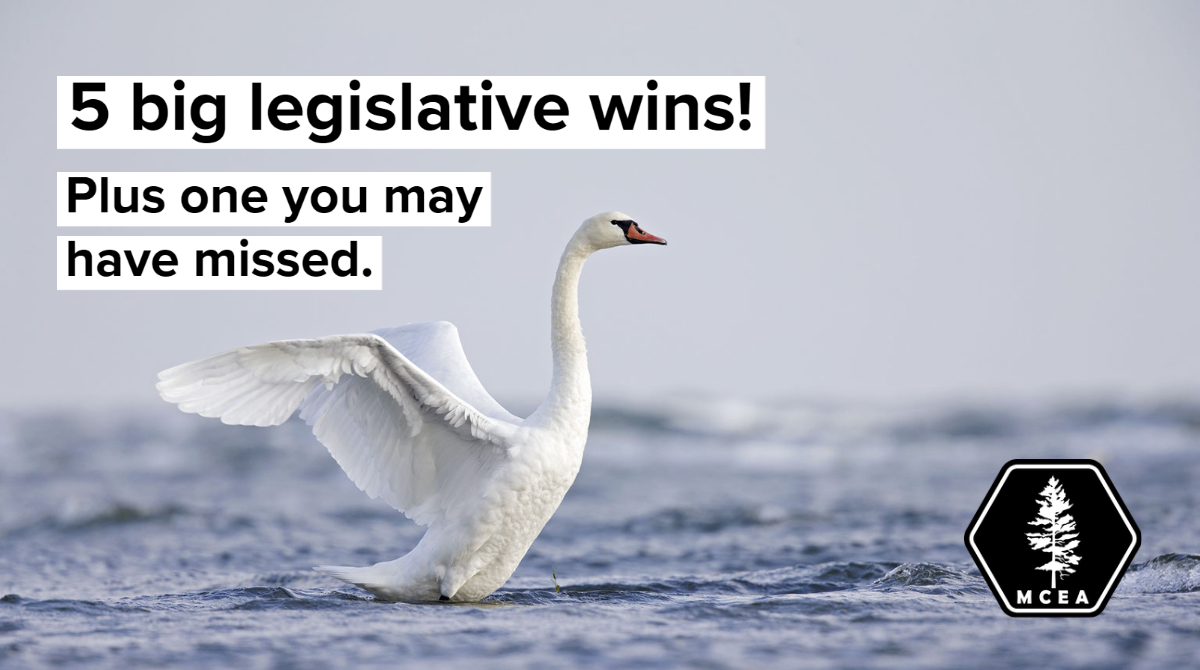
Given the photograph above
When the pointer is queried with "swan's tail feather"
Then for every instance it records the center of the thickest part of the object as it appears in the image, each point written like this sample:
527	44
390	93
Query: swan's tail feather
356	576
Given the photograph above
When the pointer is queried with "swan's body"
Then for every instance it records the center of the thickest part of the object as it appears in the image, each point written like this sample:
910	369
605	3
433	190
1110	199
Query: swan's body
403	413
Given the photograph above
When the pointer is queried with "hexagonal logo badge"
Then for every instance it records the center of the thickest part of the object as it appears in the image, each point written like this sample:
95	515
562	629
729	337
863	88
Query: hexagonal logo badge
1053	538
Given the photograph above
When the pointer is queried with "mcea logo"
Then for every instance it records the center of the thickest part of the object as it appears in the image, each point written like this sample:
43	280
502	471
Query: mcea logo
1052	538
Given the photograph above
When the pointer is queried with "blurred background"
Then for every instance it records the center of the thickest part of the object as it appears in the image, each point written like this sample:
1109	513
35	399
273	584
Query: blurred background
972	237
953	199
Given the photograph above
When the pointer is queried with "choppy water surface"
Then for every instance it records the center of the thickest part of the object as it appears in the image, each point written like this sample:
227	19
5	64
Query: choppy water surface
705	534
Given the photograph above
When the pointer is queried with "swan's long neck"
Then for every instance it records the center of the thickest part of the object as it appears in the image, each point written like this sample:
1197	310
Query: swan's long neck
570	399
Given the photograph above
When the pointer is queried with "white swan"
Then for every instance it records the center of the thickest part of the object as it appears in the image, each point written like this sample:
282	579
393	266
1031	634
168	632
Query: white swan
407	419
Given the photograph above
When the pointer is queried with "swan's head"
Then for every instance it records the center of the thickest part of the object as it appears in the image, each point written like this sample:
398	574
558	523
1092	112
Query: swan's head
613	229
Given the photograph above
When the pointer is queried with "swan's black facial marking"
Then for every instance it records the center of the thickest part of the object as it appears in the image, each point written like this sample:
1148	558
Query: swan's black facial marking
624	225
635	234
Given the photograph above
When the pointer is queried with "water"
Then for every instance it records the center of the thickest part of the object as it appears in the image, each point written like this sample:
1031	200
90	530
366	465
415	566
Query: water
700	534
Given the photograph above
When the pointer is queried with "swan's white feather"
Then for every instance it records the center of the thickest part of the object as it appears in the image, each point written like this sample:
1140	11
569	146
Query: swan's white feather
400	409
435	348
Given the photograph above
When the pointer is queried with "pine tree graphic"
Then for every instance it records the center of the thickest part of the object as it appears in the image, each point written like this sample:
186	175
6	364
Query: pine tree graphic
1058	536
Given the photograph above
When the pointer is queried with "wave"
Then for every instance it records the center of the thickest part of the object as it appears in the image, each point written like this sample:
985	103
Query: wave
930	578
75	516
66	605
115	513
798	579
710	519
1169	573
834	423
246	598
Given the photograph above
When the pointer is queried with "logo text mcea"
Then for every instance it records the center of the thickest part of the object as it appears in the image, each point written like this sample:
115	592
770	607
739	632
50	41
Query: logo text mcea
1052	538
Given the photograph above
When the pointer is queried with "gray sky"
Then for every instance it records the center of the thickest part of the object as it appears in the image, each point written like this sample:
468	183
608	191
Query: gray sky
955	198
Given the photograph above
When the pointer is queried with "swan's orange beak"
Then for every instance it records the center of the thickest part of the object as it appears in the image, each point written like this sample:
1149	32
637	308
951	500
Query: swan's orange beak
639	236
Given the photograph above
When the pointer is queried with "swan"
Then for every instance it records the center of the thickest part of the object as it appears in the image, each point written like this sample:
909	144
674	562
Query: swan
404	415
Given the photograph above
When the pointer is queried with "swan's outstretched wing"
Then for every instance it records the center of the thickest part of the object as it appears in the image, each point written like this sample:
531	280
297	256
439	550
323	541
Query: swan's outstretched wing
399	433
435	348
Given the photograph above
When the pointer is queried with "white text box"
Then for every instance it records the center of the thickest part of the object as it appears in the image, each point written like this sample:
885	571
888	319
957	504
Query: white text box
220	263
274	198
471	112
